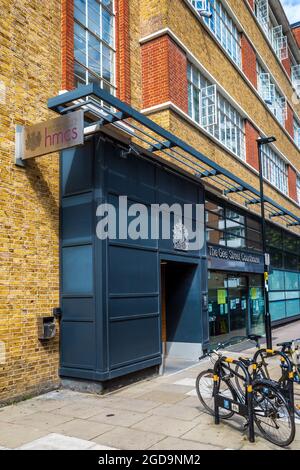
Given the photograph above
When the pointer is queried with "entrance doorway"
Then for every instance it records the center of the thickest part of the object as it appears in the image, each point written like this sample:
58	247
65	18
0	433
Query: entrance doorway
180	310
236	305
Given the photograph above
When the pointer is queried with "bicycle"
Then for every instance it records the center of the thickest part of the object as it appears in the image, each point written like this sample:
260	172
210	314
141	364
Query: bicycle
289	378
261	402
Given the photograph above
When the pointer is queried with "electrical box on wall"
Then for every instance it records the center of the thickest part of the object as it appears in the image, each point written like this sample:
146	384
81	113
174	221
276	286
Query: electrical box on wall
46	328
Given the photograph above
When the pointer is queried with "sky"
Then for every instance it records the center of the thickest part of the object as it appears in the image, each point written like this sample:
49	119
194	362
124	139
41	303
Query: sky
292	8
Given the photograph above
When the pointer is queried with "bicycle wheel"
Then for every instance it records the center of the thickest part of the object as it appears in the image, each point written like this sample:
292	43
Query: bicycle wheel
205	388
272	414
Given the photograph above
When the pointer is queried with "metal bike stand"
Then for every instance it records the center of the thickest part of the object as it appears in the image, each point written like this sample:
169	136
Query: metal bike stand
236	407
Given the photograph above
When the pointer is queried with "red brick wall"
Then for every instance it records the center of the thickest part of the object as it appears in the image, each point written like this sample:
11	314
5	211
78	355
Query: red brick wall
292	180
249	61
164	73
296	32
67	44
123	80
287	65
252	135
289	122
251	3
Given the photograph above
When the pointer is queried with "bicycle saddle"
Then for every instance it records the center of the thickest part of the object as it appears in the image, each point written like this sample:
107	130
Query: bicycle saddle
254	337
286	344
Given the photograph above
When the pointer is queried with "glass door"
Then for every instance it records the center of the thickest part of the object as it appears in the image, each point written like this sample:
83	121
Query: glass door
257	305
218	307
238	304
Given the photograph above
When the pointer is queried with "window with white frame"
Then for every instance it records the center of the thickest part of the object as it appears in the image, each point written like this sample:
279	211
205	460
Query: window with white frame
273	30
94	43
275	169
271	95
297	132
222	26
298	188
296	78
214	112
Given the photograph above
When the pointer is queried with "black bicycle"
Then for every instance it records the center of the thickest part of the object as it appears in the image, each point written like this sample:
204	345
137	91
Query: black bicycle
264	365
271	411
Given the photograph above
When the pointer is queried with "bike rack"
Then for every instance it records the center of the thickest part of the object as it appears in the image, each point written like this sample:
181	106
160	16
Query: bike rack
288	386
239	408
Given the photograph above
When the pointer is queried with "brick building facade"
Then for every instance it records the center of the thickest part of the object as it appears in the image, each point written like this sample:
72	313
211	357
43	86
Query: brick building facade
165	59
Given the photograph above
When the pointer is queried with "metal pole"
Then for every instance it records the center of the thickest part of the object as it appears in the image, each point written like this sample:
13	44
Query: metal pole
268	325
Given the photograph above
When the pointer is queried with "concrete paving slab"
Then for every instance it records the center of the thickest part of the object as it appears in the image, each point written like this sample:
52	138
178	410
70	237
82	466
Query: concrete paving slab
188	382
10	413
163	396
131	404
79	410
168	426
100	447
171	387
177	412
117	417
130	439
210	434
14	435
82	429
173	443
57	442
42	420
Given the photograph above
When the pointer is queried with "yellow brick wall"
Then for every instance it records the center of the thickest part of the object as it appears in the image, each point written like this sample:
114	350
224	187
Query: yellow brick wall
188	29
29	198
262	47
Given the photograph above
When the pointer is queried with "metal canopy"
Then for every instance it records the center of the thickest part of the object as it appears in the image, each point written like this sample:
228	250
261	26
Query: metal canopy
104	110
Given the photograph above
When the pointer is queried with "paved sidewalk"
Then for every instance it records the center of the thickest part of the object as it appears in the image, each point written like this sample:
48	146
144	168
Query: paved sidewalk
163	413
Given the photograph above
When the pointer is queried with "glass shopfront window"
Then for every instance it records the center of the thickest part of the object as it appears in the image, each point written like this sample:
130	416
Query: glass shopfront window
227	227
236	305
284	282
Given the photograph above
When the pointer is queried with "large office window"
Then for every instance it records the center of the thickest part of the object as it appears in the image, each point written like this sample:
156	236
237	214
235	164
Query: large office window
284	284
275	169
222	26
94	43
214	112
273	30
267	89
298	188
297	133
228	227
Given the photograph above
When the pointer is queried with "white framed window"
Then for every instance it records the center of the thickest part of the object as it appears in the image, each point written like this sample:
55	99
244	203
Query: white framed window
275	169
94	43
296	78
298	188
275	101
222	26
214	112
280	43
273	30
297	132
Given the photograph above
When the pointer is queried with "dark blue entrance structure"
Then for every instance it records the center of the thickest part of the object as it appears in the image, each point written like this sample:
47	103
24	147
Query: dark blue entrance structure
111	290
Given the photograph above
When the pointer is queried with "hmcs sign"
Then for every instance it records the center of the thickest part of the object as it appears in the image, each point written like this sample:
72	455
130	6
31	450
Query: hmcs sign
50	136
